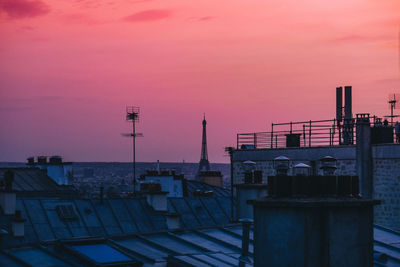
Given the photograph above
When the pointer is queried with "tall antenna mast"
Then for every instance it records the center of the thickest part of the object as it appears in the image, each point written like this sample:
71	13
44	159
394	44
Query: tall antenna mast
132	114
393	104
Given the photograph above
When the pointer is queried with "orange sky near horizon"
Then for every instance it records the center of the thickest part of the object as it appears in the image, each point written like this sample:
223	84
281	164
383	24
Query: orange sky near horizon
69	68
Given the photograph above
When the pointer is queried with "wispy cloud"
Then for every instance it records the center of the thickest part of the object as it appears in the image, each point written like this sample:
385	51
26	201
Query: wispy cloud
205	18
20	9
81	19
149	15
353	38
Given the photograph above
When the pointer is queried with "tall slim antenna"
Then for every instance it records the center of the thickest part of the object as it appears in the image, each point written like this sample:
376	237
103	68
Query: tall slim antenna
132	114
393	104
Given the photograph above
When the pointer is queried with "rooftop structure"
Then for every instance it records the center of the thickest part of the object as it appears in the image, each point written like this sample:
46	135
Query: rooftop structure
368	149
55	167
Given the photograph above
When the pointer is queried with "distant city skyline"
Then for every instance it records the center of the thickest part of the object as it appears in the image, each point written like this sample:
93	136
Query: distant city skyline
68	69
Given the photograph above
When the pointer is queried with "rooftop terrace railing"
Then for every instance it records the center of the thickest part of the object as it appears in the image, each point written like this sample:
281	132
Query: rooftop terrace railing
304	134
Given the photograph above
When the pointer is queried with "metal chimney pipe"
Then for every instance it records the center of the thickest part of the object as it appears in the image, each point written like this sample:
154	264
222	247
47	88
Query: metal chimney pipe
364	155
101	194
347	103
244	258
339	105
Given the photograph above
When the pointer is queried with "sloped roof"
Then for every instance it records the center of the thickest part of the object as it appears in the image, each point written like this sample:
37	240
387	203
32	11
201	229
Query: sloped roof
192	186
216	246
34	181
386	247
46	221
202	247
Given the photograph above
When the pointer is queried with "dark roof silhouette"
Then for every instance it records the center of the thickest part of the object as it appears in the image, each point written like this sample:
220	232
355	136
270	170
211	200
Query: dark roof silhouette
34	181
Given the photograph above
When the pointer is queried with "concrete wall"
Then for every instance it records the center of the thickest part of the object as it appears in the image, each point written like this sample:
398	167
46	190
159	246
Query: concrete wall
386	171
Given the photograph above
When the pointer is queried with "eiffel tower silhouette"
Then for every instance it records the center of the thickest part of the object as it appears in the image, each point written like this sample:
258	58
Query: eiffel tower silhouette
204	164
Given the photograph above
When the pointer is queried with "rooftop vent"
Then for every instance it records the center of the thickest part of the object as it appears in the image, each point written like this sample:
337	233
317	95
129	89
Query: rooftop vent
66	212
281	165
302	169
328	165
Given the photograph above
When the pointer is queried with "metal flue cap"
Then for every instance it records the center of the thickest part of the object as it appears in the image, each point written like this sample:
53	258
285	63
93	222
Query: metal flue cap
302	165
327	159
281	158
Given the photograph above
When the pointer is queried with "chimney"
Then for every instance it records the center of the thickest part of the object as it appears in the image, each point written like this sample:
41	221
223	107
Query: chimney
17	225
245	192
55	160
315	226
173	221
348	115
339	105
348	103
31	161
244	257
101	194
7	195
156	198
364	154
42	160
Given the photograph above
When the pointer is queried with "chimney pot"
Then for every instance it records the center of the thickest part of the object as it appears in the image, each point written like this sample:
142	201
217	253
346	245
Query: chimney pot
17	225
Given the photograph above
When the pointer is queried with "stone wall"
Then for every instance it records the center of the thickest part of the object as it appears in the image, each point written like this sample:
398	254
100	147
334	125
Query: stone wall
387	188
386	171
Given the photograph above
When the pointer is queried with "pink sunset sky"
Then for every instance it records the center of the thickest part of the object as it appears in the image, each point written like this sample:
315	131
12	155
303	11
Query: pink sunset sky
69	68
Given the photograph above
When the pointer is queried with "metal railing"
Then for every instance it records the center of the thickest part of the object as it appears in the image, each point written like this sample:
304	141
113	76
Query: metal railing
300	134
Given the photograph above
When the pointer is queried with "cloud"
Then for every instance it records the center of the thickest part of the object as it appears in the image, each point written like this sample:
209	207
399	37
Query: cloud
354	38
81	19
20	9
206	18
149	15
27	28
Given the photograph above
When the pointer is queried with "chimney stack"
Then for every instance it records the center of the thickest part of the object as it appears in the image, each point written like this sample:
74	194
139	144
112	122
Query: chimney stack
364	155
173	221
156	198
348	103
7	195
313	221
17	225
339	105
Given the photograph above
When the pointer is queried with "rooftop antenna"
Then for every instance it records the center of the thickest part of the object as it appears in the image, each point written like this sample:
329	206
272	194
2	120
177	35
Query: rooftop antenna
393	104
132	114
229	150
